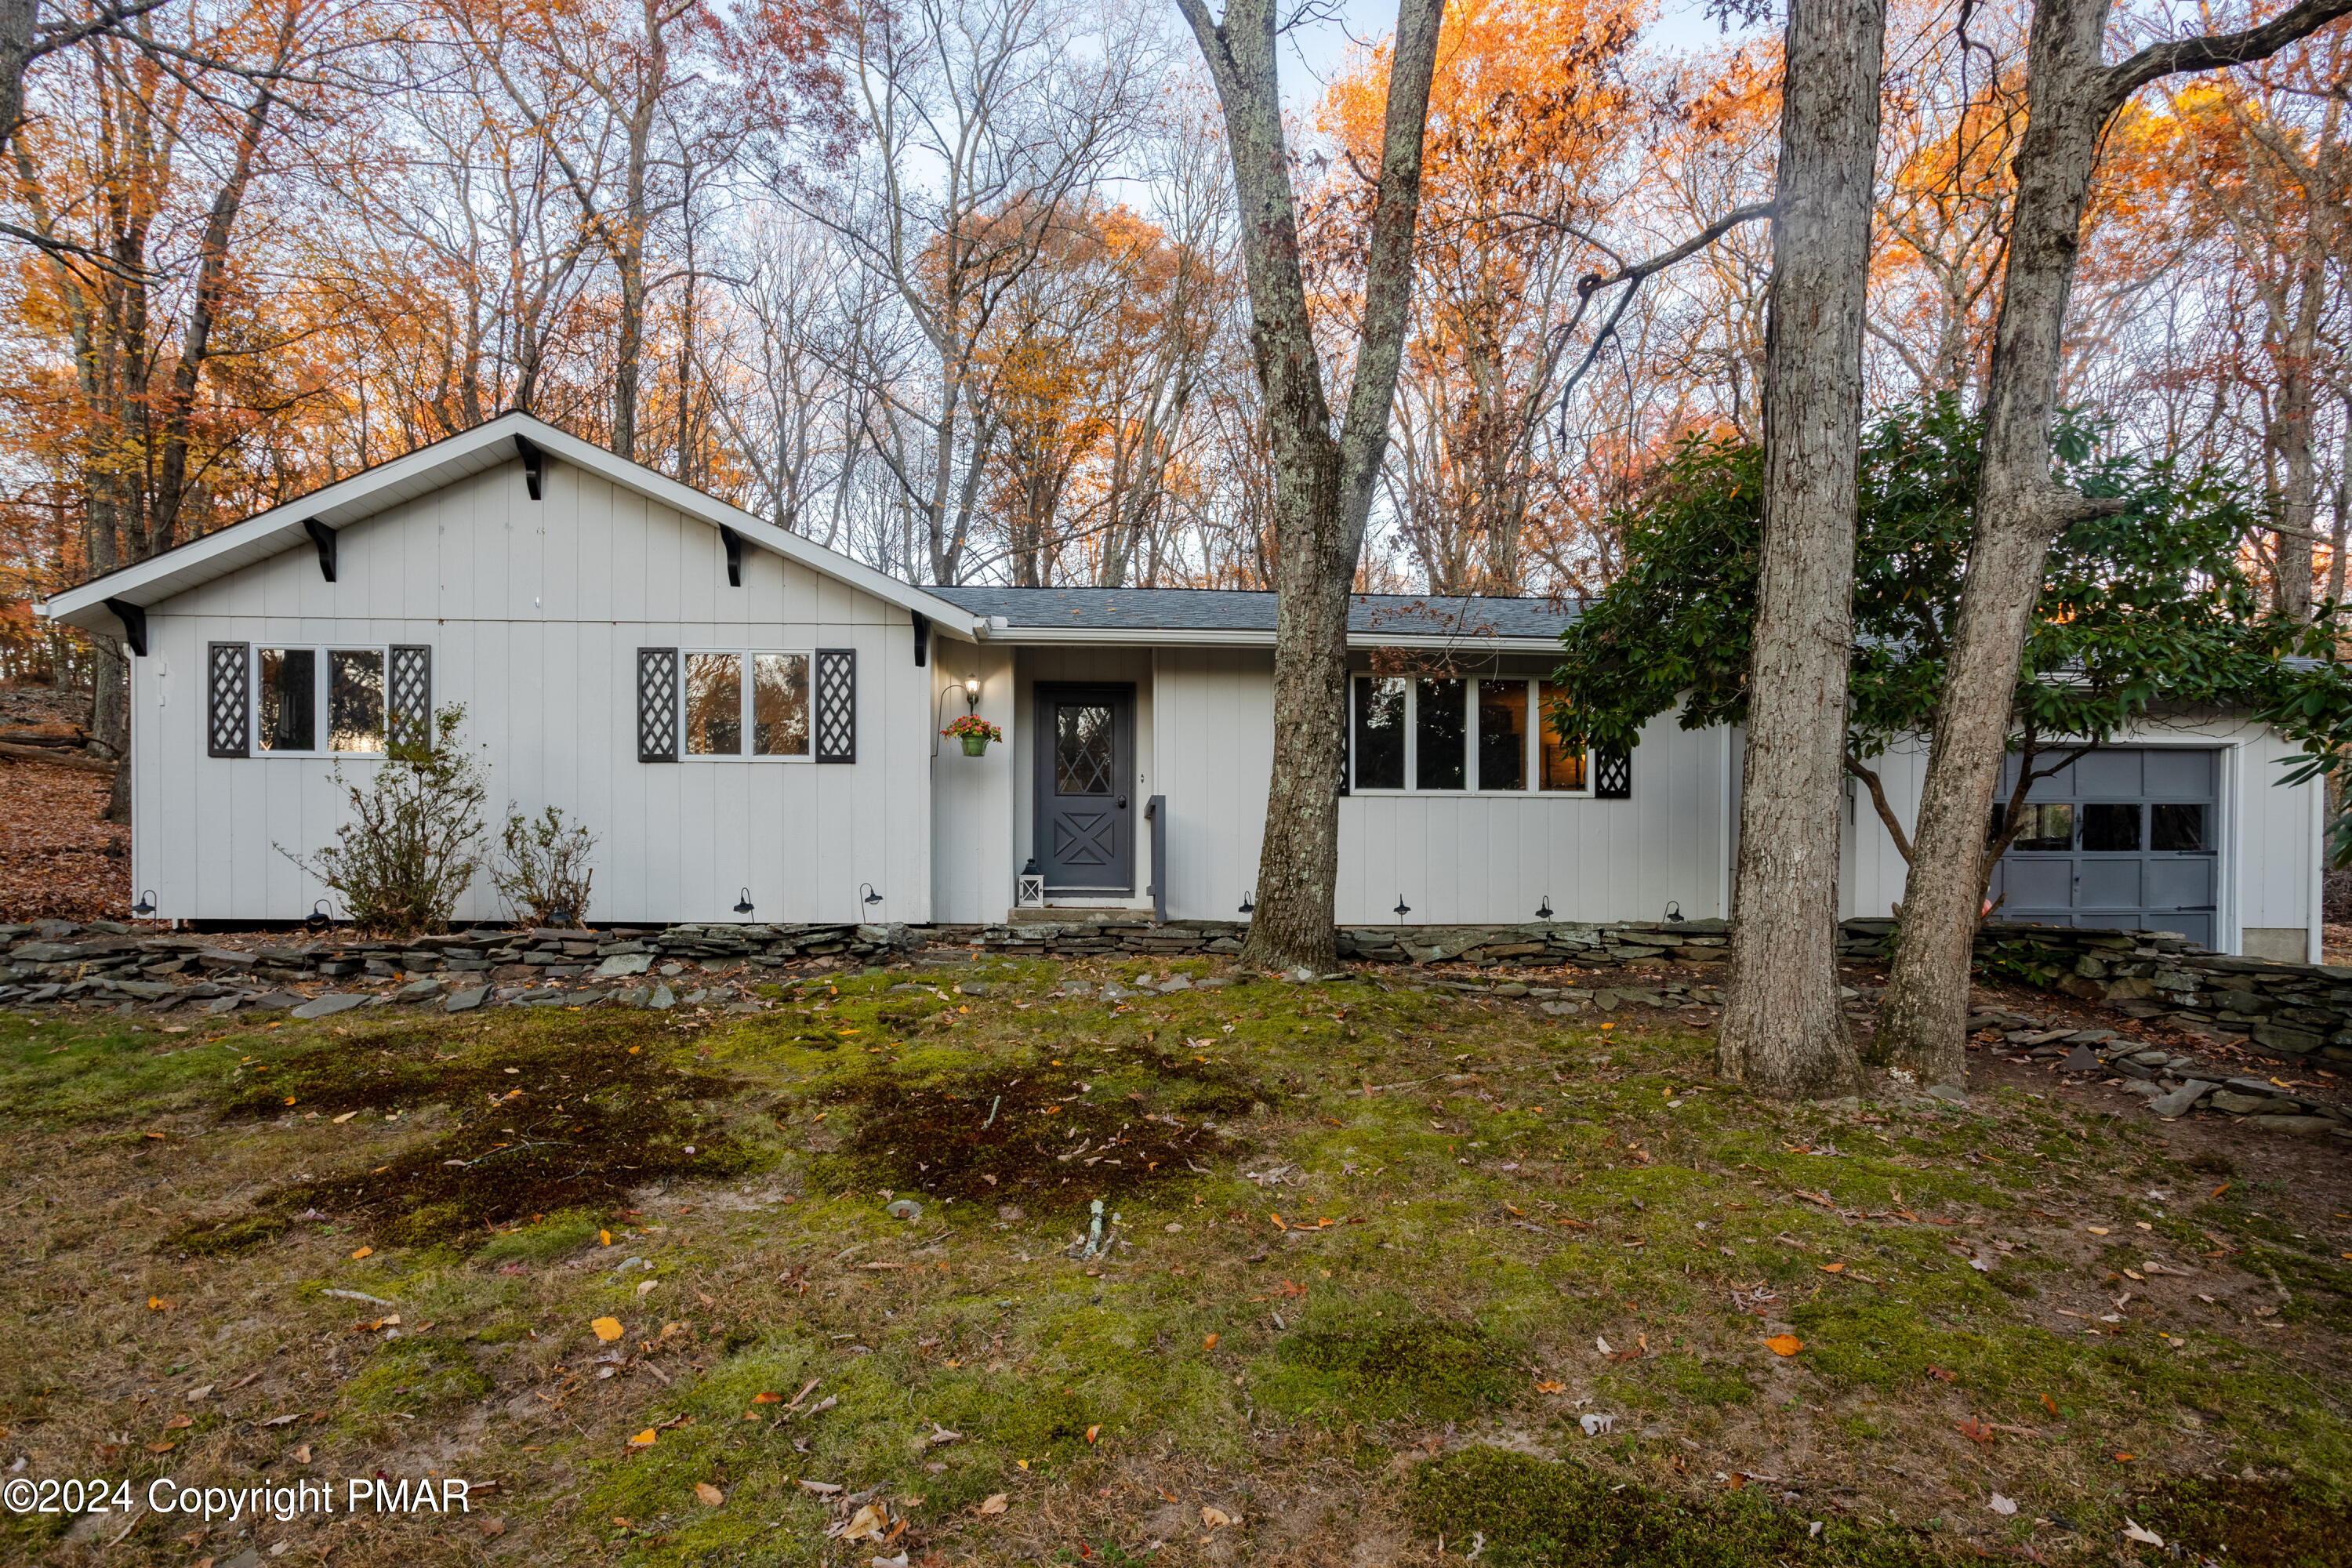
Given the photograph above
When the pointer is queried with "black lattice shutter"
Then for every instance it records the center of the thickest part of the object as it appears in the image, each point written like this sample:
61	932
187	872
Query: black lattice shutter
836	705
656	704
409	715
1612	775
228	698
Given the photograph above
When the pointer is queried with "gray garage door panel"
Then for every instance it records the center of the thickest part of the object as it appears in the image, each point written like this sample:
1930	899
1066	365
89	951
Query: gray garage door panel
2137	850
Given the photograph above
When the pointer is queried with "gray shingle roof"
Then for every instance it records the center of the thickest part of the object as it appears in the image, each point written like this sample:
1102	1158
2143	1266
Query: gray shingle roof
1235	610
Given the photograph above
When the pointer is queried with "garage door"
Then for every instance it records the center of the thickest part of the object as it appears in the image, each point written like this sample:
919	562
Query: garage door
2122	840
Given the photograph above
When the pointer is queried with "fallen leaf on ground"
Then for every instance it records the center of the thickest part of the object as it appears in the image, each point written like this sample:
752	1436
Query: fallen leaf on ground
302	1456
865	1525
494	1526
161	1448
363	1252
1550	1387
1832	1268
710	1494
2133	1531
1784	1344
1213	1517
646	1285
996	1502
607	1329
2000	1504
1940	1376
644	1439
822	1489
177	1422
767	1398
157	1304
1209	1343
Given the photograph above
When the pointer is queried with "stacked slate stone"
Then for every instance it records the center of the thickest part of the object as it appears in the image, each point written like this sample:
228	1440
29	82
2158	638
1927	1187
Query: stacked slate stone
2292	1010
1632	944
108	964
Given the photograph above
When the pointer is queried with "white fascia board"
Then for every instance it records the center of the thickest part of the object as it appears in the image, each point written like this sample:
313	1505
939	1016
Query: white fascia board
948	617
280	529
1179	636
427	468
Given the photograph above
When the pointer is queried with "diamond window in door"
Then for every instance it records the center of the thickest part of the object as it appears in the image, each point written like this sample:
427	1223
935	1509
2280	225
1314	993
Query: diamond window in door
1085	754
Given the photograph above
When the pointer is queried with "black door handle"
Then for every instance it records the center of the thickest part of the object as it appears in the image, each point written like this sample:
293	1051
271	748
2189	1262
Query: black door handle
1122	802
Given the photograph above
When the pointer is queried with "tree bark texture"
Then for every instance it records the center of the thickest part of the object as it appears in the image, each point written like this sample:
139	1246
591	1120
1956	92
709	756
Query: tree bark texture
1783	1030
2070	97
1323	484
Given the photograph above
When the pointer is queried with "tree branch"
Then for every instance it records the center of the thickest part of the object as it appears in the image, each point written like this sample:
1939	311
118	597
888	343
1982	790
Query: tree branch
2215	51
1878	799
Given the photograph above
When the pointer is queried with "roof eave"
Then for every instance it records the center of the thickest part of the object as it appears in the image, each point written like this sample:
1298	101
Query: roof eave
270	534
1179	636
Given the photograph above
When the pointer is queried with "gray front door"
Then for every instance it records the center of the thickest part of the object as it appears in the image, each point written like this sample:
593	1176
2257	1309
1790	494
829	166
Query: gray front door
2124	839
1086	760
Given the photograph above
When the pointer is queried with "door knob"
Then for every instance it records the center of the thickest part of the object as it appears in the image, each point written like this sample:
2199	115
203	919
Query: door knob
1122	802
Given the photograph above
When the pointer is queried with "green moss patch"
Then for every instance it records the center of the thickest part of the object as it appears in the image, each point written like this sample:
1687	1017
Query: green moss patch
1532	1511
1352	1365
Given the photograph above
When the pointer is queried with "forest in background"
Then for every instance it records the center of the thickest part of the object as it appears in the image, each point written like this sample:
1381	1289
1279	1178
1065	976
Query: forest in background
954	286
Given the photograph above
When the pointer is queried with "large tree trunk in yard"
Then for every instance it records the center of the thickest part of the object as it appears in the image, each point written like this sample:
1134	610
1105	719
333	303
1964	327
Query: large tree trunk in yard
2070	97
1783	1030
1323	483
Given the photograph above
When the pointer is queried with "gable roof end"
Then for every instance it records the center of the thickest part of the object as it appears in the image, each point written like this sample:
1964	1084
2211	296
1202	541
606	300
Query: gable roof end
431	467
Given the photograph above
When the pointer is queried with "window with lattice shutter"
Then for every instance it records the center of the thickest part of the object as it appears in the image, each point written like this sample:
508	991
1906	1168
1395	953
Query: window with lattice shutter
228	698
656	704
408	710
836	705
1612	775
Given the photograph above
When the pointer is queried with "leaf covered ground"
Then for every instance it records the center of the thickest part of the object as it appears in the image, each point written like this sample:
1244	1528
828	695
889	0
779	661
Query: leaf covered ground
1389	1275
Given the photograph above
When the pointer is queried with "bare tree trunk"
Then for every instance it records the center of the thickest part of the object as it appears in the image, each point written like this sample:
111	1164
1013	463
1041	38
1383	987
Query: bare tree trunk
1323	485
2070	97
1783	1030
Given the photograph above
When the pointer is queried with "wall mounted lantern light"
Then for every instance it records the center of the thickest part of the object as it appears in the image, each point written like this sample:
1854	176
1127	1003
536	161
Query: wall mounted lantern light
743	903
146	904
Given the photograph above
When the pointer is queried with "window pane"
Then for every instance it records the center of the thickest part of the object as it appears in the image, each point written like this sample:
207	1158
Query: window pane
1502	734
1085	756
1441	733
780	718
355	699
714	704
289	700
2110	828
2176	828
1563	769
2047	828
1379	732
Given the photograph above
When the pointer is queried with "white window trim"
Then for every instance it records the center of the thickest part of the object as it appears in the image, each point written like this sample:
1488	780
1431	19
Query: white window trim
746	755
1531	762
320	727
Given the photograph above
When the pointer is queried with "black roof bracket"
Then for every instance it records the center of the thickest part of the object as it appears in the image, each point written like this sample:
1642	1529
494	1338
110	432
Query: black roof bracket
135	624
734	542
534	464
922	638
324	538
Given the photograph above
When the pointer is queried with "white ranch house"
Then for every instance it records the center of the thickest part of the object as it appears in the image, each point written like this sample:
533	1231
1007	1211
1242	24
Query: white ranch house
743	716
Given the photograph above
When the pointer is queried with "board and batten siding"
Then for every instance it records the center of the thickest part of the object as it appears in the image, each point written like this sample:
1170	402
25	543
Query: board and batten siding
1455	859
972	797
534	611
2270	836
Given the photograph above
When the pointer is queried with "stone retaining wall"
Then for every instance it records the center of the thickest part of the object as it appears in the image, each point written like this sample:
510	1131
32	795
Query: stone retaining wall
2290	1009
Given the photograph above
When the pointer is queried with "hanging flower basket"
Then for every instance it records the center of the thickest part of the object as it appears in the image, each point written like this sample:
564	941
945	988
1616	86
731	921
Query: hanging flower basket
975	733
